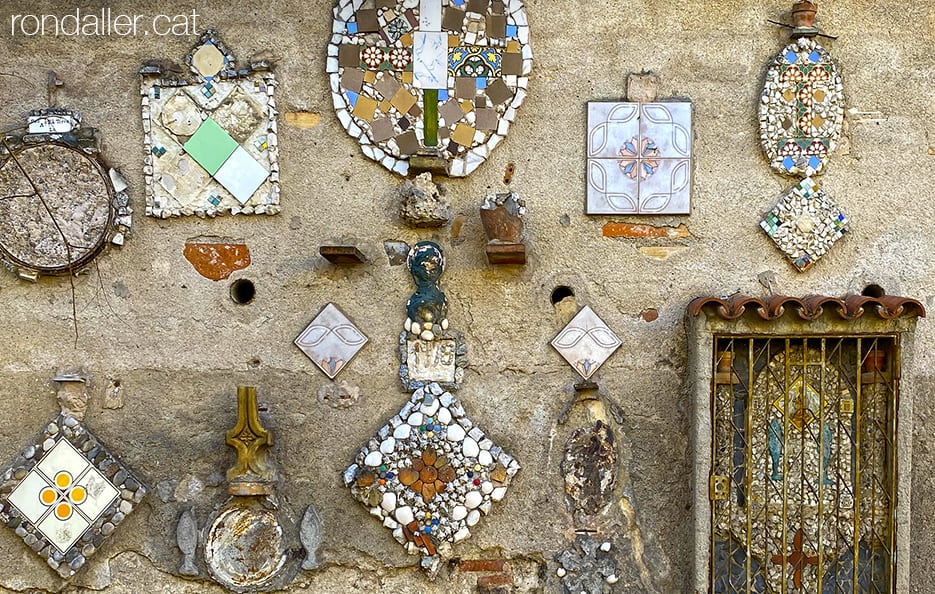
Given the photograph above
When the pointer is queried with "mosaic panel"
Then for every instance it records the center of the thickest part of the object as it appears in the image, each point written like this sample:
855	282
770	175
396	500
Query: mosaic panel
430	473
801	108
331	340
210	136
440	79
805	224
60	205
639	158
65	494
586	342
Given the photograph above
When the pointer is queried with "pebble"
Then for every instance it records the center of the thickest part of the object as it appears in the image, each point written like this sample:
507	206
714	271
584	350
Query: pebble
107	528
435	389
486	487
612	579
404	515
459	513
473	518
473	499
430	408
446	399
126	507
402	432
389	501
374	459
461	535
427	335
605	546
48	444
388	445
484	458
470	448
560	572
455	432
498	493
415	419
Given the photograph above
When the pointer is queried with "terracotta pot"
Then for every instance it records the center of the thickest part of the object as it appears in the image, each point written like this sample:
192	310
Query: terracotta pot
724	361
803	14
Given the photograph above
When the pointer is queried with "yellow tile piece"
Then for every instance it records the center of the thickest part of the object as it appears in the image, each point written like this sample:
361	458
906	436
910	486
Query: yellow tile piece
407	77
788	95
455	41
467	106
403	100
365	108
818	95
406	40
463	135
370	76
512	47
385	106
818	121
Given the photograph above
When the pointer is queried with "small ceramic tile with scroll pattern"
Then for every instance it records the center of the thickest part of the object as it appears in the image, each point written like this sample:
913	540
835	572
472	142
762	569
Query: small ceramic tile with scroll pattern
331	340
586	342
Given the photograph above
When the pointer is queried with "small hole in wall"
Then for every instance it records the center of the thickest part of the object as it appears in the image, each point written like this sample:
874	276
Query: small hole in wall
561	292
872	290
116	383
242	291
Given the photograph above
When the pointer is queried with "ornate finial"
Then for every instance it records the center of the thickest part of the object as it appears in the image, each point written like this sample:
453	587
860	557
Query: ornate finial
253	472
803	18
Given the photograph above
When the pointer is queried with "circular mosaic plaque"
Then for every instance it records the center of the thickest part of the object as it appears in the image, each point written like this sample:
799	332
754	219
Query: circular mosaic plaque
64	223
438	80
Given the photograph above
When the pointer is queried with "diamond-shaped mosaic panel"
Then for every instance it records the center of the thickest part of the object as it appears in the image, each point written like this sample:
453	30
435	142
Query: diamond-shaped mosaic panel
639	158
586	342
805	223
801	108
430	474
65	493
331	340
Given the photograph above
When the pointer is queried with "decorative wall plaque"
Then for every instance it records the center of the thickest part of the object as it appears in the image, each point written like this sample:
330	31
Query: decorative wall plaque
429	84
60	205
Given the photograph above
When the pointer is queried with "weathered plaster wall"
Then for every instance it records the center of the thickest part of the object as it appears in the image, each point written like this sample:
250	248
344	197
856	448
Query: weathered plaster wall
179	346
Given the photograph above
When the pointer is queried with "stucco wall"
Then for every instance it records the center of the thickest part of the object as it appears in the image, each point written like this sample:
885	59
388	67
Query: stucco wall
179	345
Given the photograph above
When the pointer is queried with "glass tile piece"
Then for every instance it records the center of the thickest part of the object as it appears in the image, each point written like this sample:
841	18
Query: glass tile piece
241	175
64	491
210	146
639	158
331	340
430	119
586	342
805	224
430	473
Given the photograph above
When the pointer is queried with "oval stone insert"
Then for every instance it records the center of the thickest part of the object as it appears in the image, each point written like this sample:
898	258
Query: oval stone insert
436	82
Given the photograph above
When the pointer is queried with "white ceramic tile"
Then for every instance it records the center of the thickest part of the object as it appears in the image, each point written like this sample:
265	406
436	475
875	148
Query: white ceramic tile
101	493
430	60
431	360
609	190
586	342
430	15
241	175
667	190
331	340
63	533
669	125
63	456
26	497
609	126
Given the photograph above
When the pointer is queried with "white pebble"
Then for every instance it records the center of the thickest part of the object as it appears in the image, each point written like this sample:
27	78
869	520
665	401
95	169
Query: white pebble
388	445
430	409
484	458
470	448
473	499
473	518
427	335
444	416
404	515
445	324
389	501
402	432
560	572
498	493
459	513
427	326
407	324
461	535
486	487
612	578
415	419
605	546
374	459
455	432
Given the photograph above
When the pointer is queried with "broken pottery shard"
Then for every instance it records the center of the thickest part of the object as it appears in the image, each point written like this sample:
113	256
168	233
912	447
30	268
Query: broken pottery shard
217	261
422	205
186	535
589	468
310	533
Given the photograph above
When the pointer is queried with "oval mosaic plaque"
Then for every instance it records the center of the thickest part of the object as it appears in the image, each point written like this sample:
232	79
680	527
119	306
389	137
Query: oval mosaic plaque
801	108
433	80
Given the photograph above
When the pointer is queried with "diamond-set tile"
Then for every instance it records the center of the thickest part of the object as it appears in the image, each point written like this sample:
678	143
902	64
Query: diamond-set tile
805	224
65	493
429	474
331	340
639	158
586	342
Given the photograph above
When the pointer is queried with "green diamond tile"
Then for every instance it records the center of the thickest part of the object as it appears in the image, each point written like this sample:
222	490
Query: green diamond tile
210	146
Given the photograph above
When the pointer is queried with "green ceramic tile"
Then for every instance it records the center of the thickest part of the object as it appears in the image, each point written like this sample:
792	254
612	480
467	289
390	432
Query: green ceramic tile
210	146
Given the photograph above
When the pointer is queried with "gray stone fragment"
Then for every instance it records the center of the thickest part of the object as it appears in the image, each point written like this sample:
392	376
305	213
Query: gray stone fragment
422	205
186	535
310	533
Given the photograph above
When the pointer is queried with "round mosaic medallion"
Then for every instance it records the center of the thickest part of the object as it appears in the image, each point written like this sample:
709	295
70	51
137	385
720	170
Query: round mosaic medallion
801	108
62	224
438	80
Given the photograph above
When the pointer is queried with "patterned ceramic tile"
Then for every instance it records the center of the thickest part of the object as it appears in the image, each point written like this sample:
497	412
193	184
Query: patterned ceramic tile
211	135
586	342
639	158
434	50
801	108
805	223
429	474
331	340
65	493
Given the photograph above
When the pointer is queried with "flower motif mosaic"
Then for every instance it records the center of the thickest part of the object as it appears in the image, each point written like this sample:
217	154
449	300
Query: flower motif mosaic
331	340
65	493
805	223
586	342
440	79
801	108
210	139
429	474
639	158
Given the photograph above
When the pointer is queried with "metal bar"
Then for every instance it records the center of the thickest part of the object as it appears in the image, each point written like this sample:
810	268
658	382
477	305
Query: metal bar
713	465
821	468
855	566
785	466
748	465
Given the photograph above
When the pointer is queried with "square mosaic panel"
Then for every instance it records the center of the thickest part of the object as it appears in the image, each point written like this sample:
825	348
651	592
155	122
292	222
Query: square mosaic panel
639	158
805	224
430	473
586	342
331	340
210	136
65	494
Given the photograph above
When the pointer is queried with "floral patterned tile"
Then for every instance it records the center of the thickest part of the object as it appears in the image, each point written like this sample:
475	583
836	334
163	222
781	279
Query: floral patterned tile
331	340
586	342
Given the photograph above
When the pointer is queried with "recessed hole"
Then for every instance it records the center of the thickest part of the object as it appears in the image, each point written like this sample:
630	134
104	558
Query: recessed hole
872	290
561	292
116	383
242	291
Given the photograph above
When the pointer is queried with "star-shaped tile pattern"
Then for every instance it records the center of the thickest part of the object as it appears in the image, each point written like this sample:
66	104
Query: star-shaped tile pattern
331	340
805	223
429	474
65	493
586	342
